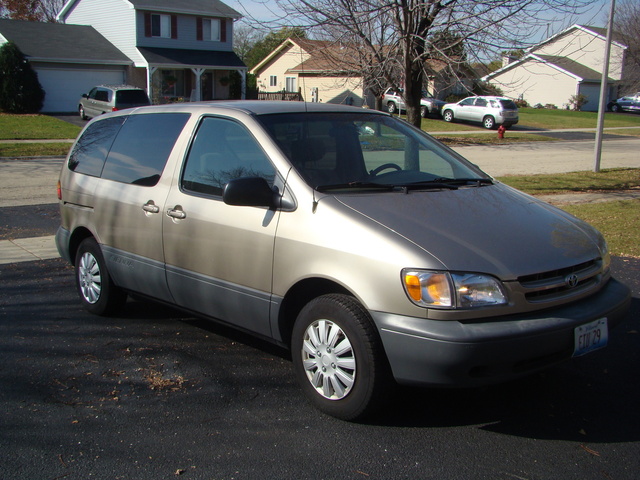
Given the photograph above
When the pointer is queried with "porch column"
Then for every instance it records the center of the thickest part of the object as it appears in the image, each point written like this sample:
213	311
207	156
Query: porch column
150	71
243	84
198	73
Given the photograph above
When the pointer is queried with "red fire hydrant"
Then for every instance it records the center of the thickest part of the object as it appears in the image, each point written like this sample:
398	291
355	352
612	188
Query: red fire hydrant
501	131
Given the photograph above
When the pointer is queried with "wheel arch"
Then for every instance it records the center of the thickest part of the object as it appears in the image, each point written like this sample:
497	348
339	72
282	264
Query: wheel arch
77	237
298	296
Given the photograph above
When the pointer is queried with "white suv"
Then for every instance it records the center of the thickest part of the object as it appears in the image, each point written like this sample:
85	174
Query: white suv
394	103
490	111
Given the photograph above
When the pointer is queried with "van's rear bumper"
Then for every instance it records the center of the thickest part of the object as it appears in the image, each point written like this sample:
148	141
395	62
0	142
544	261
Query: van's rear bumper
436	352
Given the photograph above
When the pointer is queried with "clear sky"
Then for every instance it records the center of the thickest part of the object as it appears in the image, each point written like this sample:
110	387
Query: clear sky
595	16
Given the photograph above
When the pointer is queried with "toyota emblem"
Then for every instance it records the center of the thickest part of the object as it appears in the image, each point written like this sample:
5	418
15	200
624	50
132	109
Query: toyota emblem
571	280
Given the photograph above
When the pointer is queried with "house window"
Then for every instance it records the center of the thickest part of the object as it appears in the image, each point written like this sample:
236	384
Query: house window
273	81
211	29
291	84
161	26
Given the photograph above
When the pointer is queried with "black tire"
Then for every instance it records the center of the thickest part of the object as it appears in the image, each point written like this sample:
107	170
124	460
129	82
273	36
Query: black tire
83	116
325	373
98	294
391	107
489	122
424	111
615	108
447	116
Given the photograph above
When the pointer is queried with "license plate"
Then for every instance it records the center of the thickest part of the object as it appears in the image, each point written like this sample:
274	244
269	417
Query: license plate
590	337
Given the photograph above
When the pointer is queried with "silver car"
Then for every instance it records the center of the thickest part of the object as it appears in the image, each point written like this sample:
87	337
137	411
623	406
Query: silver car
373	252
489	111
393	101
628	103
110	98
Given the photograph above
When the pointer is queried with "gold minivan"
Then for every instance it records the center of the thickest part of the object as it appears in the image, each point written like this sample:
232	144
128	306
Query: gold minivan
372	251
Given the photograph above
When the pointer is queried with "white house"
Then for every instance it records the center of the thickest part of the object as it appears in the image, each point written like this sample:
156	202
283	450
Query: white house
69	59
179	50
567	64
315	68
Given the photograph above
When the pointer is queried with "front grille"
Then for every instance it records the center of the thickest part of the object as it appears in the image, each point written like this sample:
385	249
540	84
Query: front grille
562	283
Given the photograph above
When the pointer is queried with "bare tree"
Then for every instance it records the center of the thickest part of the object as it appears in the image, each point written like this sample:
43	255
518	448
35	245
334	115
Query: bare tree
626	22
394	39
33	10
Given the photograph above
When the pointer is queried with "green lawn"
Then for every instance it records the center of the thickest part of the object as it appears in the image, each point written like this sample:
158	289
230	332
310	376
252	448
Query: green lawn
35	127
34	149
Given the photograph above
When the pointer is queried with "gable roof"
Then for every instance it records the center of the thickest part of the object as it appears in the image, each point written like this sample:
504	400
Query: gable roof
61	43
595	31
208	8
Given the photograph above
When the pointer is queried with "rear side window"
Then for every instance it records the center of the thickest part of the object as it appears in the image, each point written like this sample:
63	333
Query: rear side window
142	147
91	150
131	97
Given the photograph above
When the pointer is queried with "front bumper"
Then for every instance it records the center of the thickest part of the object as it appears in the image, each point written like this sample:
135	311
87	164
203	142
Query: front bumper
450	353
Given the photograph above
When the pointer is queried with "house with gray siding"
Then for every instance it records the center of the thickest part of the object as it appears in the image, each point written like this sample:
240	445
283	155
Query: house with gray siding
179	51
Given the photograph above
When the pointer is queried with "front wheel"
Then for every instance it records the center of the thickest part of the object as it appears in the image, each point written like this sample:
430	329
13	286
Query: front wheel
447	116
391	107
82	113
98	293
615	108
424	111
338	357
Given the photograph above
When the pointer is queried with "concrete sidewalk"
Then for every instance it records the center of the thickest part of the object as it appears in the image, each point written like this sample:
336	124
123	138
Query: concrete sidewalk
28	249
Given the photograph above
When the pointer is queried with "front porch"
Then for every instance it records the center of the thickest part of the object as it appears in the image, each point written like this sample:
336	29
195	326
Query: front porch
176	75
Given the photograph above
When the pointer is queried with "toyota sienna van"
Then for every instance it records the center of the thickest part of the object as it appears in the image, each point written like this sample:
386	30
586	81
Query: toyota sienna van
372	251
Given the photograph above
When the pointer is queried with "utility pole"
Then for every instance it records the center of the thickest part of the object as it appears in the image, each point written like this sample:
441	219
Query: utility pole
603	91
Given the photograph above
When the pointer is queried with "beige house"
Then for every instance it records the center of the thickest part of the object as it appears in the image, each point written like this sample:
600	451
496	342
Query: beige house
314	68
564	65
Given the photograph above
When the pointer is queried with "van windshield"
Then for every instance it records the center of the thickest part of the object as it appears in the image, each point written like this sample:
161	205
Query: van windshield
353	149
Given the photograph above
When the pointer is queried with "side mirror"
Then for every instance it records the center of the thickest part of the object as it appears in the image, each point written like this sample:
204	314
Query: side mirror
85	95
250	192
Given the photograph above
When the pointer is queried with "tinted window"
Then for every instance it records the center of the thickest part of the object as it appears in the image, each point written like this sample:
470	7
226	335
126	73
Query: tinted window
131	97
142	148
102	95
91	150
508	104
221	151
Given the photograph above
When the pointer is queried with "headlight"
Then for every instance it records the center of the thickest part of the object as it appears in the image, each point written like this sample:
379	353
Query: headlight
428	288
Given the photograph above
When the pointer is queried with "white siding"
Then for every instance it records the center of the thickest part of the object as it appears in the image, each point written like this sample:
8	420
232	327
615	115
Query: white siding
333	89
536	82
586	49
114	19
289	58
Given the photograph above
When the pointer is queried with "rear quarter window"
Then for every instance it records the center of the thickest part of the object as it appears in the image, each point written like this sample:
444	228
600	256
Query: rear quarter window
91	149
141	149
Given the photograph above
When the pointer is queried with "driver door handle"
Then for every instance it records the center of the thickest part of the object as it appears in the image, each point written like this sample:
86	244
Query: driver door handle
177	212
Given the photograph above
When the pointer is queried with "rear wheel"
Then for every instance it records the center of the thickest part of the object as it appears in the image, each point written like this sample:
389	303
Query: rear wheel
98	293
447	116
338	357
488	122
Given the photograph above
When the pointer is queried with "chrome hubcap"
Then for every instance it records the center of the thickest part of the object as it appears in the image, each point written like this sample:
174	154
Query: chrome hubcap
328	359
90	278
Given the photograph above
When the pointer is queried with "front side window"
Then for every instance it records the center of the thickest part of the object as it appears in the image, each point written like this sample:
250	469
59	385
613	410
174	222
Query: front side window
355	150
222	151
142	148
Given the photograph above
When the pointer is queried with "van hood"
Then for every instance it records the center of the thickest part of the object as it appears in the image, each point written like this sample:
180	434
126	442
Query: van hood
490	229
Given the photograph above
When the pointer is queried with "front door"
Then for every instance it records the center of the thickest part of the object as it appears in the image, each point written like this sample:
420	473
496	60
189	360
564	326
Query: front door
219	257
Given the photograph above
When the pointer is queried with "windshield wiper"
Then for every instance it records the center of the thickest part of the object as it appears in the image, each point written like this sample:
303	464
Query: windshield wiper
354	185
464	181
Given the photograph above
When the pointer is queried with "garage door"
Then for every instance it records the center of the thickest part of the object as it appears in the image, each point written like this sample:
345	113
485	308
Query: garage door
65	87
593	97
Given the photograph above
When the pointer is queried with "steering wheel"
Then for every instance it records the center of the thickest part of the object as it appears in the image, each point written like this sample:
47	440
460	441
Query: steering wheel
384	166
